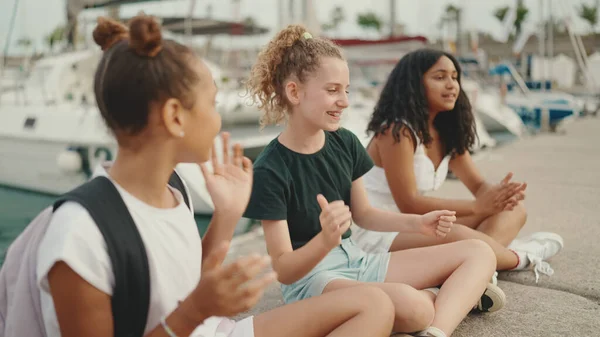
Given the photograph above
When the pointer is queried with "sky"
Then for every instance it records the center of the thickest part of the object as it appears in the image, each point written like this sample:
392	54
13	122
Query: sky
37	18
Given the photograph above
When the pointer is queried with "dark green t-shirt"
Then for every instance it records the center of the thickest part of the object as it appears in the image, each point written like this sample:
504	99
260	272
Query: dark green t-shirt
286	183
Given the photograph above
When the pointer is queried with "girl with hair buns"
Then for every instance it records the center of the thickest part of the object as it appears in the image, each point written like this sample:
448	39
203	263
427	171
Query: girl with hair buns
159	100
311	190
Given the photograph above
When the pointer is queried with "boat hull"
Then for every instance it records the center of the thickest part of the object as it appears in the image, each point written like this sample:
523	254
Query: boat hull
32	165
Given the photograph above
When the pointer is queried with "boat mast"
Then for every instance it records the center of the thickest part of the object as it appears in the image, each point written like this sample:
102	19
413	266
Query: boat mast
550	31
10	30
392	18
542	46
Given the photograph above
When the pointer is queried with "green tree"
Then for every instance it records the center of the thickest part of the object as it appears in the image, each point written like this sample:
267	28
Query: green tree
250	21
369	20
589	14
451	9
56	36
24	42
500	13
337	17
522	13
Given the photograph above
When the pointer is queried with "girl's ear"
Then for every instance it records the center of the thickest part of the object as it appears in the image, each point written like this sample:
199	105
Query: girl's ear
172	117
292	93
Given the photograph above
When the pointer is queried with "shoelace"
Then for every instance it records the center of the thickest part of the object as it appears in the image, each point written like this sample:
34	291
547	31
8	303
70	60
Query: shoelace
539	266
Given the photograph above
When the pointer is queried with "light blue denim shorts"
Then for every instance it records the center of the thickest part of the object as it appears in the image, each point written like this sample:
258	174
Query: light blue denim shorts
346	261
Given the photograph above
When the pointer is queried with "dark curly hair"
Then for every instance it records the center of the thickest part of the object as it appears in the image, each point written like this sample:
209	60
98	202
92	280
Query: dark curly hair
403	100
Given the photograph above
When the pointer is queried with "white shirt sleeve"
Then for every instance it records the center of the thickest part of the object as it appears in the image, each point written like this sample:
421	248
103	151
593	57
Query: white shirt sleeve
73	237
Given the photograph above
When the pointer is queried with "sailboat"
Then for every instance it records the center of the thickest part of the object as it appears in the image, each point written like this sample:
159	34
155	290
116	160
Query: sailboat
487	100
538	109
52	135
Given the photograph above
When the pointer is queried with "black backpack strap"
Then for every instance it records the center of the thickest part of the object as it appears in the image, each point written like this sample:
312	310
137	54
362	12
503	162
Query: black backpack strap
131	294
176	182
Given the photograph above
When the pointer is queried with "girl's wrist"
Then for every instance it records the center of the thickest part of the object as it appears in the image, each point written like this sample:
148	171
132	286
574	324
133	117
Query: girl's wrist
189	314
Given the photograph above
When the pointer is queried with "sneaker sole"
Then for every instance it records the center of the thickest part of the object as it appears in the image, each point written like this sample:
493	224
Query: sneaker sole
492	300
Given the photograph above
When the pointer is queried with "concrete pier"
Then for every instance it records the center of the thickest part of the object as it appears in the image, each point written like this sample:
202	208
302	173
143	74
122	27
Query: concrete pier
563	196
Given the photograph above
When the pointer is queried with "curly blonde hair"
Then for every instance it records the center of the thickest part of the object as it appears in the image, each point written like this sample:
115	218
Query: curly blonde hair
291	53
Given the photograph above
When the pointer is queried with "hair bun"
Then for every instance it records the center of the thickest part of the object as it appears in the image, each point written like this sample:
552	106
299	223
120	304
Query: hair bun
108	32
145	36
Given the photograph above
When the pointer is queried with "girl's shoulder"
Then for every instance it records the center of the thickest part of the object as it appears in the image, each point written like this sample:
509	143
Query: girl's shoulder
72	236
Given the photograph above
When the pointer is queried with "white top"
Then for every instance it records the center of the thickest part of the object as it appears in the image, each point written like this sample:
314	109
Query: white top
427	178
380	196
173	247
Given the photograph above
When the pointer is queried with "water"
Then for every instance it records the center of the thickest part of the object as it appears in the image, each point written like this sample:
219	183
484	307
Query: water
18	208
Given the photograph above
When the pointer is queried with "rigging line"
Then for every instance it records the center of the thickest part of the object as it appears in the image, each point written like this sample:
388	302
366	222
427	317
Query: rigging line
10	30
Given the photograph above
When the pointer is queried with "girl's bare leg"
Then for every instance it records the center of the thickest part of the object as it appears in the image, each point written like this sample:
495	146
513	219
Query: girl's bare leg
502	227
414	309
464	267
505	258
360	311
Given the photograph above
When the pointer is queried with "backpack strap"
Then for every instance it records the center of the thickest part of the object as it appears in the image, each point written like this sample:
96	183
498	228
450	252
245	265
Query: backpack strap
176	182
131	295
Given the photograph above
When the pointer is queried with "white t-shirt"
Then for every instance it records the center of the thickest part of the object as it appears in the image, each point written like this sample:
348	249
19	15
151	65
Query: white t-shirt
173	247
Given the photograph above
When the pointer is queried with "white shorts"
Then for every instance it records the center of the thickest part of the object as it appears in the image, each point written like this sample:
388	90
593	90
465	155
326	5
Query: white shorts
371	241
225	327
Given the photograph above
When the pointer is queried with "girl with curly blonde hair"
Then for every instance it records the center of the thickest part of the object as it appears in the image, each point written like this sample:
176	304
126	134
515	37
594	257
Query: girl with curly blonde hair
158	98
309	190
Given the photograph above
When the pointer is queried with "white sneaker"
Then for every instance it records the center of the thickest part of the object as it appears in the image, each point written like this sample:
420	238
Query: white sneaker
492	300
431	332
538	247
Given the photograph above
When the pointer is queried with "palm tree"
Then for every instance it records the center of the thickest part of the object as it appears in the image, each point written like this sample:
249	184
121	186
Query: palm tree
369	21
250	21
57	35
522	13
452	10
500	13
337	17
24	42
589	14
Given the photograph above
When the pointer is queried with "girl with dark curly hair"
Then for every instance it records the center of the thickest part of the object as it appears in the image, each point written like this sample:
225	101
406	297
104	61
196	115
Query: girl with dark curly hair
423	126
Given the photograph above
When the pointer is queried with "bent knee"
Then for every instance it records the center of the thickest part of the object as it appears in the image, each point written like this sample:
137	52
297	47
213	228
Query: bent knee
414	311
373	298
415	316
480	249
520	215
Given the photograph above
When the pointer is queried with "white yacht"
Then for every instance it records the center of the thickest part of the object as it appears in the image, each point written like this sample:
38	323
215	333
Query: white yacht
52	135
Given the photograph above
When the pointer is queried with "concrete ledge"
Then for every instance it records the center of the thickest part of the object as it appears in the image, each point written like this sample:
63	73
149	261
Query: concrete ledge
563	173
535	312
